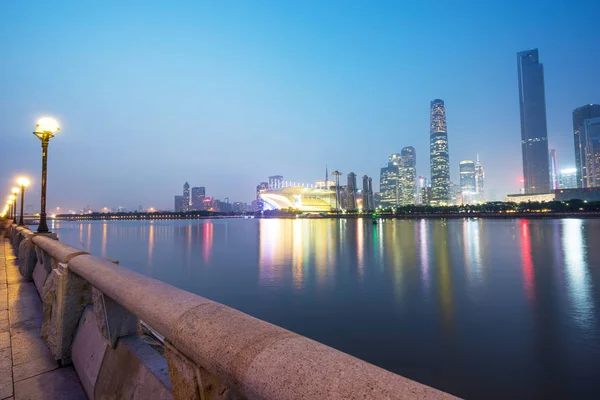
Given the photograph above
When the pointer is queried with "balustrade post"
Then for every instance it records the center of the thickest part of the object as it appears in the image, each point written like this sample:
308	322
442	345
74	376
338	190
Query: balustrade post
190	381
65	296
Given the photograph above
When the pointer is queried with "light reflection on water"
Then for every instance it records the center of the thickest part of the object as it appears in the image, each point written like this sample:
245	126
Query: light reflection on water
454	304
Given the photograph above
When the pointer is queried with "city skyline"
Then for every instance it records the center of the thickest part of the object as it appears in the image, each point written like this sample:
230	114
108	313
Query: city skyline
162	106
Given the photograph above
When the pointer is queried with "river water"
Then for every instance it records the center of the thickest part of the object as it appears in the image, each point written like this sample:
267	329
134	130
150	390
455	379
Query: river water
477	308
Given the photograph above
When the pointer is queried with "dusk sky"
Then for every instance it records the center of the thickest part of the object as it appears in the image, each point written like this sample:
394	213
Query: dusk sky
222	94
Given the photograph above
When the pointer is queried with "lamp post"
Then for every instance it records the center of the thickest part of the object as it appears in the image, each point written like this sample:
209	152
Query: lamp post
13	200
23	182
15	191
44	130
9	204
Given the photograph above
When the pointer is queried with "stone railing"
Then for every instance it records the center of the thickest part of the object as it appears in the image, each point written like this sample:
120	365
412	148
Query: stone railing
92	308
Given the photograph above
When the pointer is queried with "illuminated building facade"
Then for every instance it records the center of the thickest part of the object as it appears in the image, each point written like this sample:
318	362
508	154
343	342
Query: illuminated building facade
301	198
439	155
186	197
467	181
591	140
534	132
367	193
422	183
407	176
198	195
580	115
275	182
553	170
351	191
568	178
389	181
479	181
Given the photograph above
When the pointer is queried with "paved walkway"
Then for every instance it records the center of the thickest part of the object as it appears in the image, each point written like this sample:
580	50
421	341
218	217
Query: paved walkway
27	368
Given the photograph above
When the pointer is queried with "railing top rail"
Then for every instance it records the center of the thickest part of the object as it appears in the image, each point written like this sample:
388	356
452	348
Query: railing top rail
257	358
60	251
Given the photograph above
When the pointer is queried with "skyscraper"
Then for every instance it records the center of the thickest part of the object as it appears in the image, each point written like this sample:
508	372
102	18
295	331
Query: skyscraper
534	133
389	181
467	181
479	181
439	155
591	135
178	206
553	171
421	185
365	192
198	195
186	197
351	191
407	176
581	114
275	181
568	178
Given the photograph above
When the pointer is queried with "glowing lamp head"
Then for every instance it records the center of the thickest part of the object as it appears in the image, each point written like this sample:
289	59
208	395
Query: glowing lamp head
23	182
11	197
15	190
46	127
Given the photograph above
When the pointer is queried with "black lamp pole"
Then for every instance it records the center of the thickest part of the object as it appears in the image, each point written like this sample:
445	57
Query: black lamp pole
21	223
14	208
43	226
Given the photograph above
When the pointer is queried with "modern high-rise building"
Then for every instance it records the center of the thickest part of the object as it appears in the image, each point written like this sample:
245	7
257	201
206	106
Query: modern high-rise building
439	155
351	191
568	178
591	135
467	181
198	195
422	183
179	202
479	181
408	176
579	116
389	184
275	181
367	193
553	170
534	132
186	197
584	143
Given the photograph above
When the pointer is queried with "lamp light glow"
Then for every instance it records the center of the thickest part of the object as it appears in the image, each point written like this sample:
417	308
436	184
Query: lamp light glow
23	181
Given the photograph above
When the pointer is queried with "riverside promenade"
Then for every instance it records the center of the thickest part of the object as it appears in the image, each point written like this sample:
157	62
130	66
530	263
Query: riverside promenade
70	328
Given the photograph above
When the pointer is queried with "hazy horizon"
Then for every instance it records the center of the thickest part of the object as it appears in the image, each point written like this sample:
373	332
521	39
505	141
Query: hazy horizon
222	95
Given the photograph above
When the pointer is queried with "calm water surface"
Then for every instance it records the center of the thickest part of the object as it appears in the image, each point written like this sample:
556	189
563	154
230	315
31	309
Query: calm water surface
477	308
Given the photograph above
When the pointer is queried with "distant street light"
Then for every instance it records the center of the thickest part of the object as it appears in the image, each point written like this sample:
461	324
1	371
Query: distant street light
23	182
13	206
44	130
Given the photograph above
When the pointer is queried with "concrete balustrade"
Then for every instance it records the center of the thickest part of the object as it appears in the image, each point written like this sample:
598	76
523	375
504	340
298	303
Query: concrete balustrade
92	308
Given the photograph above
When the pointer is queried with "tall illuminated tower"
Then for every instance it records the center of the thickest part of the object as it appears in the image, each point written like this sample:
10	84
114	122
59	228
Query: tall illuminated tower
186	197
534	132
479	180
408	176
439	155
582	142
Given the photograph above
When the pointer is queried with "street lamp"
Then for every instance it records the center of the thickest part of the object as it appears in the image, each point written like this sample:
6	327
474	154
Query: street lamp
9	203
45	130
23	182
14	204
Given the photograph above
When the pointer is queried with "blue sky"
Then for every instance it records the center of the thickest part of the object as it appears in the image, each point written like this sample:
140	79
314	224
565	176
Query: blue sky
223	94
